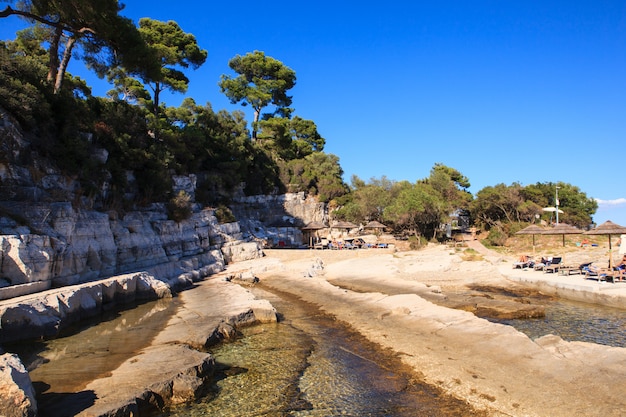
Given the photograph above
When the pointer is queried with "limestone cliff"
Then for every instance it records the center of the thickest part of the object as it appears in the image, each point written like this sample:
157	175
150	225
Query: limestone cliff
52	235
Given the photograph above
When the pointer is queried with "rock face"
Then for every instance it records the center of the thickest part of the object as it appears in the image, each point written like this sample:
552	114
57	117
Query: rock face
278	218
61	261
17	395
63	246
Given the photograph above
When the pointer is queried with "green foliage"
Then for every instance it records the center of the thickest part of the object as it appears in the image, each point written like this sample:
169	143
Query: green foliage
145	139
224	215
94	28
179	207
172	48
419	208
497	236
262	81
22	93
514	203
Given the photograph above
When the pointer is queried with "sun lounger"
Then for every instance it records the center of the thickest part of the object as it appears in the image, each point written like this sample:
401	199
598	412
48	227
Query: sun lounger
553	265
524	262
570	270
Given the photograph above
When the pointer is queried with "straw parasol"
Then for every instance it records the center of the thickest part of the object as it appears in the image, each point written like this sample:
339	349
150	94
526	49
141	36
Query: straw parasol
563	229
343	225
607	228
533	230
377	226
314	226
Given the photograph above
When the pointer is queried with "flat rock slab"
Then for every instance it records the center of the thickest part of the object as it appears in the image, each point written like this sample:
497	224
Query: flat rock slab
174	368
211	310
493	367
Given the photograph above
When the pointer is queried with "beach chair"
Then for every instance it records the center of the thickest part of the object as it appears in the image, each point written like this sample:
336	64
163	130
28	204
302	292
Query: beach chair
322	244
553	266
598	273
524	262
572	270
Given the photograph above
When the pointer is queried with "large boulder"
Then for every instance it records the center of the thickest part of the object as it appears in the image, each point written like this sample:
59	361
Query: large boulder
17	395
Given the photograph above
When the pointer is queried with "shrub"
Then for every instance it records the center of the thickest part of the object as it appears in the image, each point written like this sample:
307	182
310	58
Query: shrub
224	215
179	207
497	237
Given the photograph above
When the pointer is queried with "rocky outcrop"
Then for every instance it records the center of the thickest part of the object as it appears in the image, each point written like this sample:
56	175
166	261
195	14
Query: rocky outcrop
44	315
278	218
17	395
62	246
175	368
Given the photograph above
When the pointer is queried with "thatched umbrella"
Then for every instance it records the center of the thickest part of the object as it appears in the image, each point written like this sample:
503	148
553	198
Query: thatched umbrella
562	229
533	230
314	226
377	226
608	228
343	225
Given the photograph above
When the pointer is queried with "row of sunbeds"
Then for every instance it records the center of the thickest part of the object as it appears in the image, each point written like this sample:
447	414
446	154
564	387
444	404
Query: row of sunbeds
589	269
357	243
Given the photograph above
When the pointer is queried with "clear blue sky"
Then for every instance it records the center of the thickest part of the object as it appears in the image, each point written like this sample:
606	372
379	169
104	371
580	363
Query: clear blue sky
503	91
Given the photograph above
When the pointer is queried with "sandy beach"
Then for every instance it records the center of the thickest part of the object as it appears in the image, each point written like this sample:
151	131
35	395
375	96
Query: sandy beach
388	296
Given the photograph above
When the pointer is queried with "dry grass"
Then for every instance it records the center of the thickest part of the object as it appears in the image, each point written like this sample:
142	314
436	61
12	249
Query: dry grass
572	254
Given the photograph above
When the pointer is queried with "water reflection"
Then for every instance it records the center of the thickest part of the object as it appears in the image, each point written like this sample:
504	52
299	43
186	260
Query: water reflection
574	321
68	363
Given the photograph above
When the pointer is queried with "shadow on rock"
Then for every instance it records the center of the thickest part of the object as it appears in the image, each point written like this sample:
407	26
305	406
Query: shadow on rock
65	404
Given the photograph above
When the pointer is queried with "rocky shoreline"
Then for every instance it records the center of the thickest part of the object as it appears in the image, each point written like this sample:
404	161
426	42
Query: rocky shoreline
493	367
175	367
399	300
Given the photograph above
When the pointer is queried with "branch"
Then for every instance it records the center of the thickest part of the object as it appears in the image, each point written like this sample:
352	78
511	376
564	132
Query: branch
9	11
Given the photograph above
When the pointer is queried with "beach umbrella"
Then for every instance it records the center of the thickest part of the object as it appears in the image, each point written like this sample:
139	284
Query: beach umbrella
533	230
562	229
607	228
343	225
552	209
377	226
314	226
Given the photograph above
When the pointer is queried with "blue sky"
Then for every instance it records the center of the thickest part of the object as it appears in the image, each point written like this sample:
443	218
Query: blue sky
503	91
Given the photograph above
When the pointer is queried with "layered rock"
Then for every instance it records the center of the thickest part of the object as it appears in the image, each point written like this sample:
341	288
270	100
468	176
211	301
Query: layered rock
43	315
278	218
17	394
63	246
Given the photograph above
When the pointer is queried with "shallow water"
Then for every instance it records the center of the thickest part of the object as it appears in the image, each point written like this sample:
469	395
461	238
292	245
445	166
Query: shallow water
311	365
307	365
575	321
65	365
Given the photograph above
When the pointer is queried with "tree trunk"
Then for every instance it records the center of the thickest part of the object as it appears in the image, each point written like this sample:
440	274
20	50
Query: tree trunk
67	54
157	92
255	122
53	53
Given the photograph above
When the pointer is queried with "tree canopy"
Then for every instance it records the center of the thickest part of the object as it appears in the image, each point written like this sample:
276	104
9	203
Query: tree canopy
262	81
104	35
